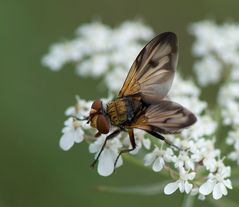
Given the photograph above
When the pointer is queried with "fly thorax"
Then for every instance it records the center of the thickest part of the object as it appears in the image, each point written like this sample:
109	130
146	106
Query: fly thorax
121	110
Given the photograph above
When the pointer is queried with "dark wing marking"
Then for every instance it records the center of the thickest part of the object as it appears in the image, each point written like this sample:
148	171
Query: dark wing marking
164	117
152	72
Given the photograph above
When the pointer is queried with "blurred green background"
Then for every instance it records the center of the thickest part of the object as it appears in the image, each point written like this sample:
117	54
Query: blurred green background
34	171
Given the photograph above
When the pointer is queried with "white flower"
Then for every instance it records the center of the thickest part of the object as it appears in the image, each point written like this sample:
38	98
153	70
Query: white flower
228	92
96	56
95	66
230	113
72	133
234	155
96	35
131	31
187	94
192	103
204	151
125	55
183	160
183	88
207	37
208	70
217	183
222	41
228	99
115	79
233	139
218	48
204	126
57	56
108	156
81	108
182	183
158	157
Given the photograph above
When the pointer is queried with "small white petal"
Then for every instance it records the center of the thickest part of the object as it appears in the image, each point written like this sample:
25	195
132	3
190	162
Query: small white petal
78	135
188	187
93	147
106	163
70	111
158	164
217	193
66	141
228	183
223	188
146	143
68	122
206	188
96	146
171	188
149	158
181	186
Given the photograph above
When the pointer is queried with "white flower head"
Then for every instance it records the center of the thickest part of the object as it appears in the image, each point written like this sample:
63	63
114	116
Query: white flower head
110	57
96	56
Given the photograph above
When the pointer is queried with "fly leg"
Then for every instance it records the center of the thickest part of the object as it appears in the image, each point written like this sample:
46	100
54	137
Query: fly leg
111	136
163	138
133	144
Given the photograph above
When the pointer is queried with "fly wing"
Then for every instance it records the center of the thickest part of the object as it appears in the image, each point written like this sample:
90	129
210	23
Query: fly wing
152	72
165	117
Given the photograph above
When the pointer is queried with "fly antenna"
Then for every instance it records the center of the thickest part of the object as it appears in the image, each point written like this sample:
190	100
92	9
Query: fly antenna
83	118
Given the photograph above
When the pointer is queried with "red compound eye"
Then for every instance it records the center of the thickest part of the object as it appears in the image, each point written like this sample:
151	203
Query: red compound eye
97	105
103	124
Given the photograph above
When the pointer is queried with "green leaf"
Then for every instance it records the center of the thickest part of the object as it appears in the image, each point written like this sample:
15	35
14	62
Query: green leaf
151	189
223	202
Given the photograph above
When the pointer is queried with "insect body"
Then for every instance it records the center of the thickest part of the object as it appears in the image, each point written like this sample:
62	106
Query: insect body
142	102
123	110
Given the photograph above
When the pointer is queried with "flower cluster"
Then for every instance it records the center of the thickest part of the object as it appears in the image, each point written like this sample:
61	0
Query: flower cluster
194	163
98	49
217	46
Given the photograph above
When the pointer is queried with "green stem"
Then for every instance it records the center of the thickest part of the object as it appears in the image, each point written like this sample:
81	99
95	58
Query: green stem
188	201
